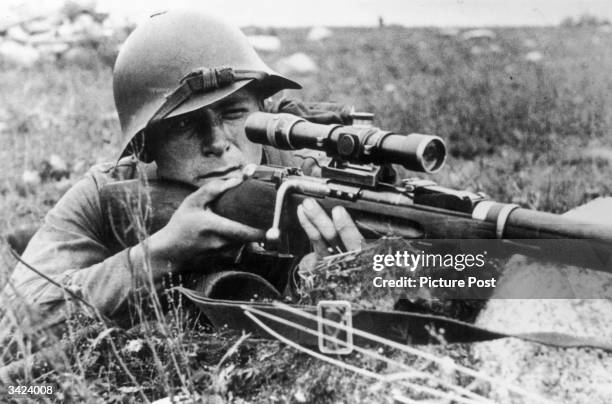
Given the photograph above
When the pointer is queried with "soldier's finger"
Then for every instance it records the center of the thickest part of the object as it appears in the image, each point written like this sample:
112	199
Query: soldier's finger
211	190
319	218
347	229
319	245
234	230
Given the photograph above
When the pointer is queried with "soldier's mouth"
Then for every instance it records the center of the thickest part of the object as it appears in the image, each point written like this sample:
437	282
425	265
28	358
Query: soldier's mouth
226	173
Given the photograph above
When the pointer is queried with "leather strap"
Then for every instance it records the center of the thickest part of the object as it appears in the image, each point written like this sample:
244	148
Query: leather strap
403	327
201	81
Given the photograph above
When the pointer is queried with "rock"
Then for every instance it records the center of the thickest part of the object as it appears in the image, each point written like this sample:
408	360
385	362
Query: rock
85	25
390	88
116	24
448	32
57	163
318	33
72	8
21	55
299	396
479	34
265	43
187	399
534	56
133	345
18	34
30	178
65	31
39	26
298	63
43	38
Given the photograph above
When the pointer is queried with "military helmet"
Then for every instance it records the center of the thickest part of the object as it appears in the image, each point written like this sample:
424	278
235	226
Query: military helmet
180	61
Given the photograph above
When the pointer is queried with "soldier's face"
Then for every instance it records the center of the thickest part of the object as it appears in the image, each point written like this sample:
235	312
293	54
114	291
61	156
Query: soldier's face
209	143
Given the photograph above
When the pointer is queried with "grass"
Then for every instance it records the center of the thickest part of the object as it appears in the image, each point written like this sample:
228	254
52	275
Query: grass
530	132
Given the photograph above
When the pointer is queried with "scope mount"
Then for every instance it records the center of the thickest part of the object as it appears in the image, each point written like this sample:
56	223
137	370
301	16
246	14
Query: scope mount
369	175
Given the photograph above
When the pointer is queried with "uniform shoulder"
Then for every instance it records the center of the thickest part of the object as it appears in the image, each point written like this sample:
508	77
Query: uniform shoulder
127	168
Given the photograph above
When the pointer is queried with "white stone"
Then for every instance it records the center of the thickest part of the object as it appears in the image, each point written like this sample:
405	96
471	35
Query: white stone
30	177
265	43
66	31
390	87
534	56
84	24
74	7
18	34
57	163
134	345
299	396
22	55
298	63
318	33
182	399
39	26
448	32
480	33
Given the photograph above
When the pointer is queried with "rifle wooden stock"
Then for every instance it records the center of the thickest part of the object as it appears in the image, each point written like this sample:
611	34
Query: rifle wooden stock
252	203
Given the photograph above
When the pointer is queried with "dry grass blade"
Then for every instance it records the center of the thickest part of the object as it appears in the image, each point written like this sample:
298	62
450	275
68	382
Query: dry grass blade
408	373
233	349
383	378
414	351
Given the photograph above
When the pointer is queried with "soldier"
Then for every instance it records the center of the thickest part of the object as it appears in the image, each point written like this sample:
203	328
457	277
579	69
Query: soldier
184	84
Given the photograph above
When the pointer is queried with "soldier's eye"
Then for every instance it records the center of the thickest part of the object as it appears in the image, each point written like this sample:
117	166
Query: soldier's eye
235	113
184	123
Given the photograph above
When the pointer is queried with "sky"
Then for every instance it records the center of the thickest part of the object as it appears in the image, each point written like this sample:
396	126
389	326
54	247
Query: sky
361	12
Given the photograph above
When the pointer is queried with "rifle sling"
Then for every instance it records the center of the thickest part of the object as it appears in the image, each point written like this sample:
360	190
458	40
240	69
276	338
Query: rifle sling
398	326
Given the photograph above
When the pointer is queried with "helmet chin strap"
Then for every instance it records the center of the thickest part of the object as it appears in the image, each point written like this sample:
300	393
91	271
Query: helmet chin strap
203	80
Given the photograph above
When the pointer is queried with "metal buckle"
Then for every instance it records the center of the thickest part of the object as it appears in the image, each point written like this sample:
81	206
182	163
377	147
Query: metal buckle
337	311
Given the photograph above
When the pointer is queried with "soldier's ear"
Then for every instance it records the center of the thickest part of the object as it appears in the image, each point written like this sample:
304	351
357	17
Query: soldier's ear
150	144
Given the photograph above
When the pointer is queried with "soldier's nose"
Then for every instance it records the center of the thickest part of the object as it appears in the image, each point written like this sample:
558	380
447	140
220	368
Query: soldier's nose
216	148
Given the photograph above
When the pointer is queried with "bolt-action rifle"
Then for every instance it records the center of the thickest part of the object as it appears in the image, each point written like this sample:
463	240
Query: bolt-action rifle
361	178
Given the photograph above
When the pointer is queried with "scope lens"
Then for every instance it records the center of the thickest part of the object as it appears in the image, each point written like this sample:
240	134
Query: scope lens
433	155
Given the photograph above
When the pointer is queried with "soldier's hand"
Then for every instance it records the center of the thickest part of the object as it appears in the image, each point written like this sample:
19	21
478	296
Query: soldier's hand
328	235
195	230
